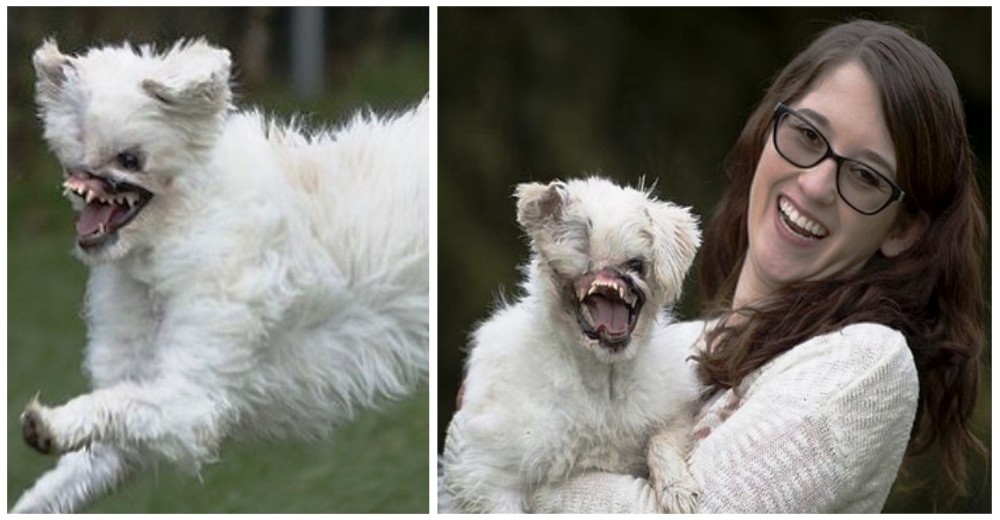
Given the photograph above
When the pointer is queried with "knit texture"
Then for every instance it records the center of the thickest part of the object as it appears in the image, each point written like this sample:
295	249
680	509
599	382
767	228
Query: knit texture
820	429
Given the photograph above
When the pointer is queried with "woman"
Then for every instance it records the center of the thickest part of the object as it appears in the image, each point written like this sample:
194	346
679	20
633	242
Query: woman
844	269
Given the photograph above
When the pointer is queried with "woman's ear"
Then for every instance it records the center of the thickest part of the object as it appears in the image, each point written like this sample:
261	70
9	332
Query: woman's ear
905	234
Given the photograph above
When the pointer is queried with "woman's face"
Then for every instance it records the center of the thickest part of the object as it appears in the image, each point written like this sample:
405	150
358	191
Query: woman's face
799	227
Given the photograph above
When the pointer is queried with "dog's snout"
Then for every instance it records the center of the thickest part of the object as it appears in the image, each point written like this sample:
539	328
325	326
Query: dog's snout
78	172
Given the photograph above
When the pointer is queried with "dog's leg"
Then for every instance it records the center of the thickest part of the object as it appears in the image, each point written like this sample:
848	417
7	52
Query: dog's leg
201	366
471	486
78	478
491	499
483	497
675	488
179	420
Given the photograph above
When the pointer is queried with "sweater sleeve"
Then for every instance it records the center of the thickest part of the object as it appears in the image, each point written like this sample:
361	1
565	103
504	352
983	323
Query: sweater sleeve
822	428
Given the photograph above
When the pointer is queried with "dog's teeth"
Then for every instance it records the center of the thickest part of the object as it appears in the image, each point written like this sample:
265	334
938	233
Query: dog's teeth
100	228
90	196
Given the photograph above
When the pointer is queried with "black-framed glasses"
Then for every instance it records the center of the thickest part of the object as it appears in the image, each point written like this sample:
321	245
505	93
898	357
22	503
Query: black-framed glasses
859	185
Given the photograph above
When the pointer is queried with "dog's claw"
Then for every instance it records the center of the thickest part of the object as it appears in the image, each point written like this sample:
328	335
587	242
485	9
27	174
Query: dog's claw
678	497
679	500
676	490
36	433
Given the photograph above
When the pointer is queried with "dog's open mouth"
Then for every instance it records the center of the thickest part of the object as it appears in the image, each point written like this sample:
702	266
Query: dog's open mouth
104	205
607	307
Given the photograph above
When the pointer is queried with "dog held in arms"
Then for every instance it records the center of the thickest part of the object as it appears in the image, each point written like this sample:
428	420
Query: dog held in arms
575	375
246	279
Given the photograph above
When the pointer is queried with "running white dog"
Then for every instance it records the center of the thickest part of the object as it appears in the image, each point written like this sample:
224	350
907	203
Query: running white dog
246	280
576	376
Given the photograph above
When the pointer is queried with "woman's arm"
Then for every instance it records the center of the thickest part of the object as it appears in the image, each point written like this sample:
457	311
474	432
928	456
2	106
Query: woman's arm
823	428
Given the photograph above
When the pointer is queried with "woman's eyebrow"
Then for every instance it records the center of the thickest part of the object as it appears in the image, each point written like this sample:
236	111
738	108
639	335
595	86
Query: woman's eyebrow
816	118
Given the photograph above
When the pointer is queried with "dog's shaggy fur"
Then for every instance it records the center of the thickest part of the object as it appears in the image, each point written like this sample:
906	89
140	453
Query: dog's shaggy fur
575	375
246	279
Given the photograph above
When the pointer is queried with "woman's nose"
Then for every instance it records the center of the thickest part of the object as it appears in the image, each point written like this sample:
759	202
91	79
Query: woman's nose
820	182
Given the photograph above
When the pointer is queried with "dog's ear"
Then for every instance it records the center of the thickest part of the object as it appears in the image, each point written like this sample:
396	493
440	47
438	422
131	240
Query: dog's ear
676	237
193	79
51	67
538	203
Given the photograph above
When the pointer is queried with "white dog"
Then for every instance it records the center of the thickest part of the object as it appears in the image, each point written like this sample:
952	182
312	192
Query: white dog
574	376
246	279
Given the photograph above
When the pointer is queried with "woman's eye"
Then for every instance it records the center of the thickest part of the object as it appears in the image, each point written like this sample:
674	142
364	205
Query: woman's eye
805	133
810	136
128	161
867	177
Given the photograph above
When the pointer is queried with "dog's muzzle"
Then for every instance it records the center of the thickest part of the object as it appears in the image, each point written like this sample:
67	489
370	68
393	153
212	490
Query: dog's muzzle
607	307
104	205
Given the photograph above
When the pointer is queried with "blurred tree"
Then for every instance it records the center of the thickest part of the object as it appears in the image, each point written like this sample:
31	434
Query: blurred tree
253	59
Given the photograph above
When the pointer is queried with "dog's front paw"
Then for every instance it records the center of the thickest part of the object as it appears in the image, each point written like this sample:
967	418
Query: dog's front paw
35	429
677	497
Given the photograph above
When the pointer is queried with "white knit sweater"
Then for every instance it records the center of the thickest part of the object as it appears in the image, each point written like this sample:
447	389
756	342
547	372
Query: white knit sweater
820	429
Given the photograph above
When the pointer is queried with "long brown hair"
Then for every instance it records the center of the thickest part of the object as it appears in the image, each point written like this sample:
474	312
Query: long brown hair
932	293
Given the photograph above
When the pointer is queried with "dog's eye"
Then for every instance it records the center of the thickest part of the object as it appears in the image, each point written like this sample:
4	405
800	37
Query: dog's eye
635	265
128	161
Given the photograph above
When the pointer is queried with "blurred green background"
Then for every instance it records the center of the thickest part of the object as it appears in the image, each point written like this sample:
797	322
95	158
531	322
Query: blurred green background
535	94
374	57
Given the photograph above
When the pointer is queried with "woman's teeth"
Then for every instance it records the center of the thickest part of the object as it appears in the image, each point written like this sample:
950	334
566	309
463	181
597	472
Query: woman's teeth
804	225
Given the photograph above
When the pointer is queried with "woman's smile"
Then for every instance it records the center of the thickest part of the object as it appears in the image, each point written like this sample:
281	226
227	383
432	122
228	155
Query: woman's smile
799	222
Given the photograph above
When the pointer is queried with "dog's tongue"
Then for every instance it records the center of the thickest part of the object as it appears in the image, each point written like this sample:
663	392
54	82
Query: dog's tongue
92	216
609	315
